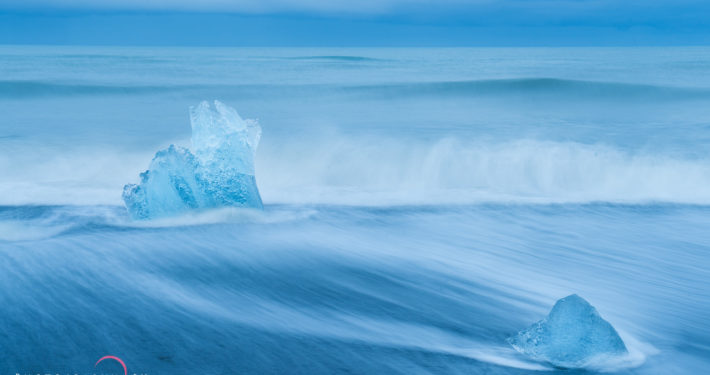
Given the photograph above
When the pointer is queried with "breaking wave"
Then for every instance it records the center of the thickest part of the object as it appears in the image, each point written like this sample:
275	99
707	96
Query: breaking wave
382	172
385	171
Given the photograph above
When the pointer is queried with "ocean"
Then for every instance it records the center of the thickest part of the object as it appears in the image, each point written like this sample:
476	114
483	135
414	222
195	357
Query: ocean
421	206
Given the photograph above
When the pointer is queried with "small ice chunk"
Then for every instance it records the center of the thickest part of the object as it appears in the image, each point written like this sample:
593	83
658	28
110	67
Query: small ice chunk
218	172
573	335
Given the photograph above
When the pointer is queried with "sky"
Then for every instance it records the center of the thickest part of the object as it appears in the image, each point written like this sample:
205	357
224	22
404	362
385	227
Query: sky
355	22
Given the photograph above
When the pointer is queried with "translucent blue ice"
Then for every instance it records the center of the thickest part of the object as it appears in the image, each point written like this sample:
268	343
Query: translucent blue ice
573	335
218	171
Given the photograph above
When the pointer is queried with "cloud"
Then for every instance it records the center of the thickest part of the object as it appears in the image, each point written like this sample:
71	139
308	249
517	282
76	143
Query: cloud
530	9
355	23
684	15
238	6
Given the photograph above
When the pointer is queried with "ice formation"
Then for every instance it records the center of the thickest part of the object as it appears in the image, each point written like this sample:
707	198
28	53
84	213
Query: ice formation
218	171
573	335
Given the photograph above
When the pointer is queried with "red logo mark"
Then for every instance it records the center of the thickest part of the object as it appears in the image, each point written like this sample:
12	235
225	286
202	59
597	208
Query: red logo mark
125	370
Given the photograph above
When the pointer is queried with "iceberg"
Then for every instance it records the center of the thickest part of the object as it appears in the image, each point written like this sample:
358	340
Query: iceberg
573	335
218	170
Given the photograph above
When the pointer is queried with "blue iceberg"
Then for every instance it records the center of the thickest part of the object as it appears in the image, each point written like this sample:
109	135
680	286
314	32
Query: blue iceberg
218	171
573	335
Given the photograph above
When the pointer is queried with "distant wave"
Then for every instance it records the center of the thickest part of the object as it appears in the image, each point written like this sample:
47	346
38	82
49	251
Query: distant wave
11	89
528	87
335	58
25	89
535	86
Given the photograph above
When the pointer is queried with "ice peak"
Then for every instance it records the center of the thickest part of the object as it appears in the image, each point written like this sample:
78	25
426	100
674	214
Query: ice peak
217	172
572	335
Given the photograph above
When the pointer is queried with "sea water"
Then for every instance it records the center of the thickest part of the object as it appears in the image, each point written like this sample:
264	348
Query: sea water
421	206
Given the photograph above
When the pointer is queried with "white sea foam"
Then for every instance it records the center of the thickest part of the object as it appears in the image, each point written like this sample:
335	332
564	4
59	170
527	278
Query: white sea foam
340	170
16	230
450	170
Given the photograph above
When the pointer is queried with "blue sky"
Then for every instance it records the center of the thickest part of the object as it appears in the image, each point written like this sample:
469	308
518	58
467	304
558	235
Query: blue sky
355	22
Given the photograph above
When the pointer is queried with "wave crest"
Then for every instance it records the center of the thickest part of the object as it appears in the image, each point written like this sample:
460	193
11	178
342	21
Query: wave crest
383	171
